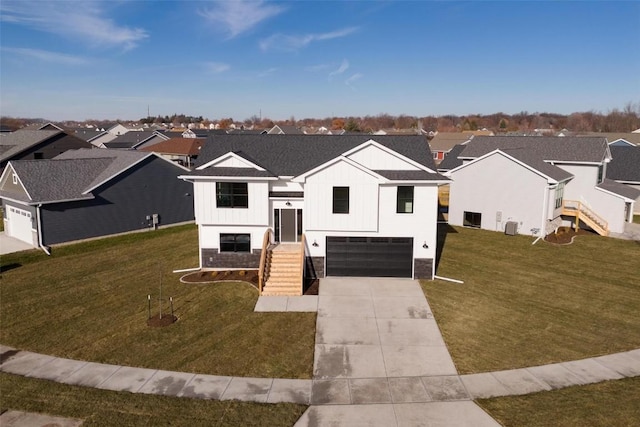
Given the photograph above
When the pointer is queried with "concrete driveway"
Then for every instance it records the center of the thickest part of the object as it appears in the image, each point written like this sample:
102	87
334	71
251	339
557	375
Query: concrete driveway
380	360
10	245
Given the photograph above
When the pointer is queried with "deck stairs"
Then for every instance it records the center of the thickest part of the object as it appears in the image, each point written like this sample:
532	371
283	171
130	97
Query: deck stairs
283	270
582	212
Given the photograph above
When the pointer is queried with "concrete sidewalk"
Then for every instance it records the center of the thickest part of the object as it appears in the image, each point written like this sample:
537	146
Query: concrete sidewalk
379	360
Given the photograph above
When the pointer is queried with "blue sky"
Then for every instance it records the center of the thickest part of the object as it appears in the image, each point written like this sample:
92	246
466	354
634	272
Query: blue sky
105	60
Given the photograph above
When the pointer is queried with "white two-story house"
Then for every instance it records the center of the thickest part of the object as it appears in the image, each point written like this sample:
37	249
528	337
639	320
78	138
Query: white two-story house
538	184
366	207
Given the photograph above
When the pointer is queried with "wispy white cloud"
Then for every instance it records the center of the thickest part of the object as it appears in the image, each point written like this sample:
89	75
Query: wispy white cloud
296	42
240	16
267	72
80	21
46	56
357	76
341	69
216	67
317	67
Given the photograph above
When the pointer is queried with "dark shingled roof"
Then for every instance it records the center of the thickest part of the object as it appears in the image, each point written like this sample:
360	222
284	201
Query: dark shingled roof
620	189
293	155
56	180
404	175
625	165
233	172
530	158
451	160
21	140
561	149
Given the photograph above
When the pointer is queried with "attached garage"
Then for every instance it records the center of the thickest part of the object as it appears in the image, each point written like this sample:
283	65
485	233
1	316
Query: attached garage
19	224
369	256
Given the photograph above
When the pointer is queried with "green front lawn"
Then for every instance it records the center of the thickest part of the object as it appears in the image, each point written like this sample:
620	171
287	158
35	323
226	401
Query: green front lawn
611	403
89	301
108	408
524	305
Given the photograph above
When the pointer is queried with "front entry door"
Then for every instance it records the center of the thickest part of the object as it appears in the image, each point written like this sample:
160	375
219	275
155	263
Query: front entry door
288	224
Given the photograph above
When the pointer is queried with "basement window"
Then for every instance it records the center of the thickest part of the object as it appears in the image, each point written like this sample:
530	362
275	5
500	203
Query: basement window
472	219
235	242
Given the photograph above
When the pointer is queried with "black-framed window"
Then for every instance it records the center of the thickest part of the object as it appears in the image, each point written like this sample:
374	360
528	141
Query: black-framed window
600	174
404	202
232	195
559	195
340	200
472	219
235	242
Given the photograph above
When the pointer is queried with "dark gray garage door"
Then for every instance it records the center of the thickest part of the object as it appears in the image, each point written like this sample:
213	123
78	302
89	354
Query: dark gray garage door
370	256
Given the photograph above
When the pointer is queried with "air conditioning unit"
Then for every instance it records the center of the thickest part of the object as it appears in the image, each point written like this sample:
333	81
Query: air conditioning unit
511	228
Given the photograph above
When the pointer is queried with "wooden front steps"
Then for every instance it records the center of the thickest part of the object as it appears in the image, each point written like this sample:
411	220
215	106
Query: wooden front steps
583	213
283	271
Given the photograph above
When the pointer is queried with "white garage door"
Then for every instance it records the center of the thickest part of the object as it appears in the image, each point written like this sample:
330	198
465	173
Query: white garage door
19	224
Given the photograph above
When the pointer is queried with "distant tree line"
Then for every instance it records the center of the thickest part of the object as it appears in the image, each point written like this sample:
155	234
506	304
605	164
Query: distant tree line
625	120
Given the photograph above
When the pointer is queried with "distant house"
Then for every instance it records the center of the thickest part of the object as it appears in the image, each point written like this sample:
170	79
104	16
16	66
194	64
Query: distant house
184	151
617	138
366	205
135	140
91	193
97	138
538	184
284	130
44	126
625	168
202	133
443	142
36	145
117	129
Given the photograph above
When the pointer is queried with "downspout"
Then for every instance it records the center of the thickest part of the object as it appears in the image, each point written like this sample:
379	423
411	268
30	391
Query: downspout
39	229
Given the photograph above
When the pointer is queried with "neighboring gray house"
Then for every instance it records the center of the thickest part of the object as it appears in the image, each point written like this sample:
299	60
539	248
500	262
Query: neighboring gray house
25	144
90	193
625	168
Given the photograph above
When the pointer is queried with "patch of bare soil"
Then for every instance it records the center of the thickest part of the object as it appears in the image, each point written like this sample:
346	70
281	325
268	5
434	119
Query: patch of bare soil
250	276
166	320
565	235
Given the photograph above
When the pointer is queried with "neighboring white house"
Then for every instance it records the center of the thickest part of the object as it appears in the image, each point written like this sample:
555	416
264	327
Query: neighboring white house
538	183
367	206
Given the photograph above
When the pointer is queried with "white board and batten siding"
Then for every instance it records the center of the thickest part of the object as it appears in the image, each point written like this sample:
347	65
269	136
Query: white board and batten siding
374	158
206	211
363	199
501	190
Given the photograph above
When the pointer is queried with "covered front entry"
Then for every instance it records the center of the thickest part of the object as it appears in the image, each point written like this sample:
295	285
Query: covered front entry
370	256
19	224
287	225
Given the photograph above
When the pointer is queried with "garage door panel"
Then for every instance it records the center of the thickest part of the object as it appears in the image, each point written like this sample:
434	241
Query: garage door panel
370	256
19	224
